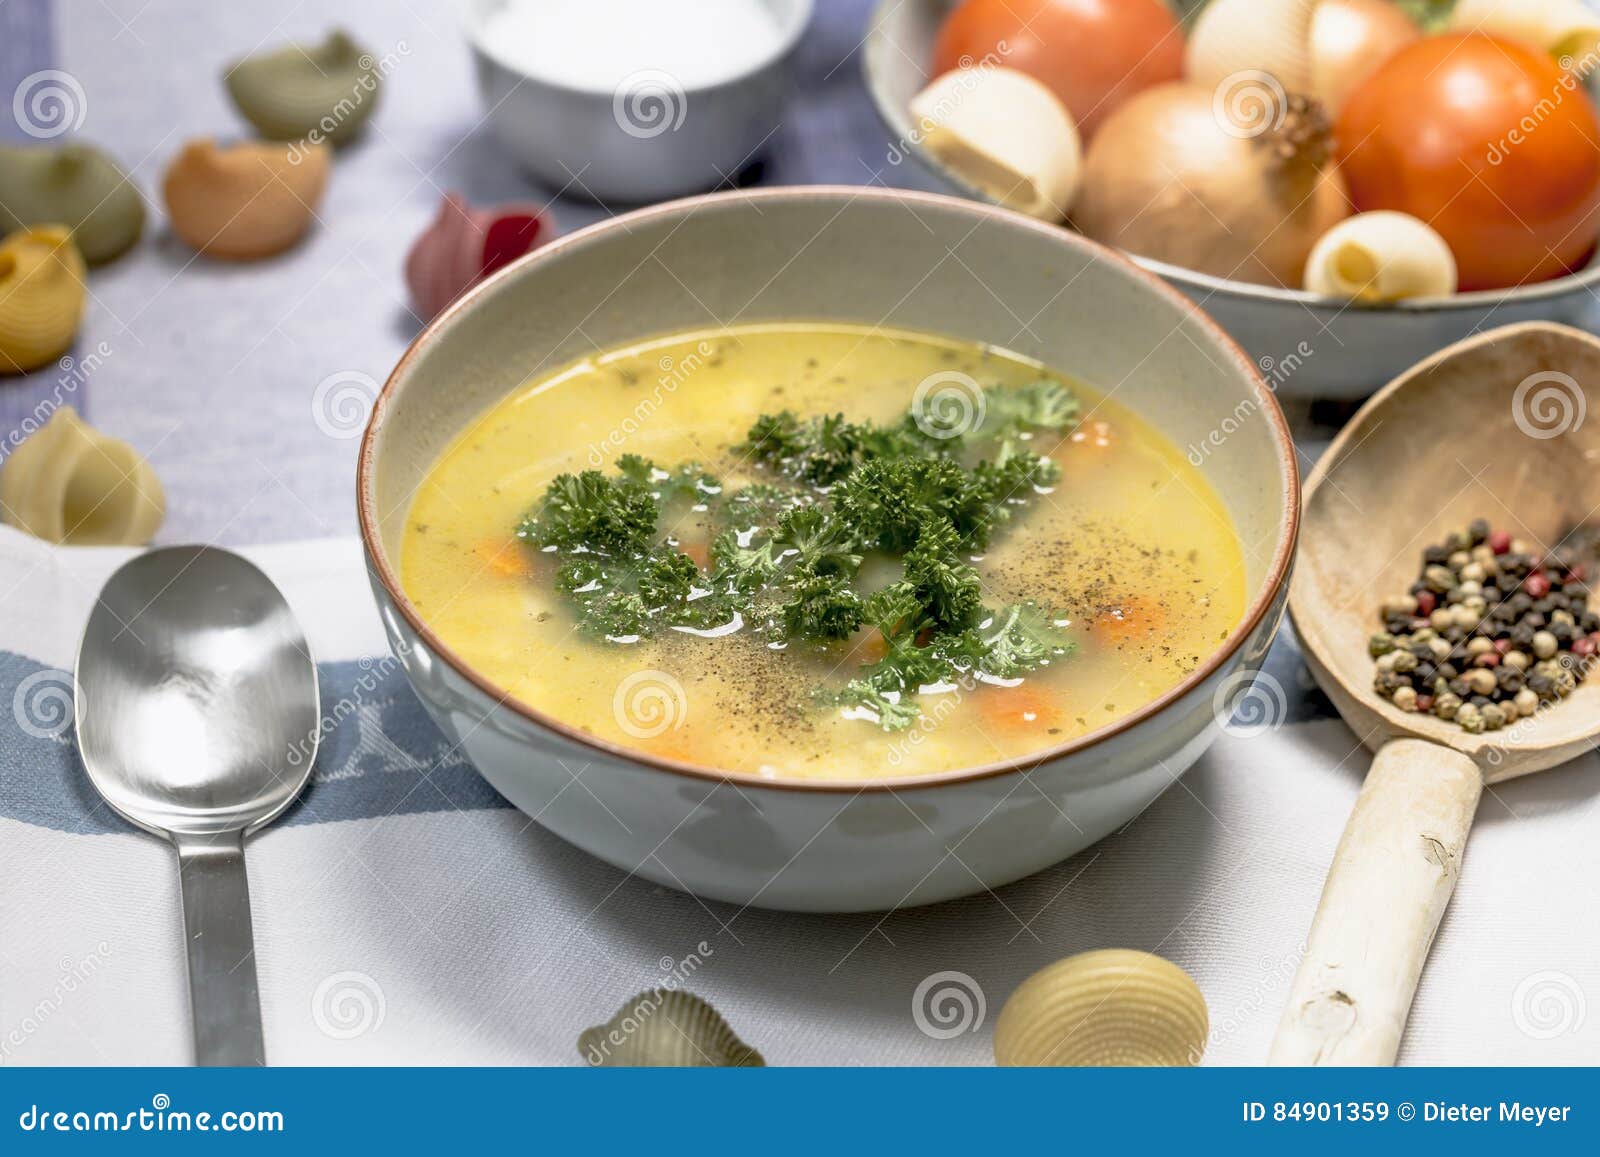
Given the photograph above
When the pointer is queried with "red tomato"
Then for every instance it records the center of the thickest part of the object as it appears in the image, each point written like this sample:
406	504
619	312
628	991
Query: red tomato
1093	54
1489	142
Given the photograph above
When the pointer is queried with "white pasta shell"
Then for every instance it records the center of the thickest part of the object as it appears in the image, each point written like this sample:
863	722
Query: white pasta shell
1241	37
1566	29
1115	1006
1006	134
70	483
1381	256
666	1029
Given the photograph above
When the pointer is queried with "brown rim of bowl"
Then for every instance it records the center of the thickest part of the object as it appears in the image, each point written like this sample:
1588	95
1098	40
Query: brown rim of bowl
1270	591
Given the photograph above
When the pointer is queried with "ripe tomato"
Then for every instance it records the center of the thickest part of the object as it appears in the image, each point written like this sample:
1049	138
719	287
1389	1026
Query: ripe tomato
1489	142
1093	54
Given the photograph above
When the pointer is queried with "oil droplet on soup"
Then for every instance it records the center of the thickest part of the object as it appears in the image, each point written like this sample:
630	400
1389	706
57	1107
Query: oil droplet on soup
1131	547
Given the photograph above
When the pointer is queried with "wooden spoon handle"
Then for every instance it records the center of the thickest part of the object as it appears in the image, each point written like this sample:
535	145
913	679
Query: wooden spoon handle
1391	878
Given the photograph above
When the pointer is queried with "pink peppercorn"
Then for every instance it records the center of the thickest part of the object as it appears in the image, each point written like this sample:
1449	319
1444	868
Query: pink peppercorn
1487	659
1536	585
1500	541
1502	645
1583	646
1424	703
1426	602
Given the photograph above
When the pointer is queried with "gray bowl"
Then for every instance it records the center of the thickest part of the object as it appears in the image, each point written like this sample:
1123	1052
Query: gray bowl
646	140
1306	345
870	257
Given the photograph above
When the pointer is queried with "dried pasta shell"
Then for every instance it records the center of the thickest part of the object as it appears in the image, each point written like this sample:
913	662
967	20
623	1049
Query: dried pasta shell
73	185
666	1029
1006	134
1381	256
464	245
1567	29
324	92
1235	37
1111	1007
246	201
41	297
69	483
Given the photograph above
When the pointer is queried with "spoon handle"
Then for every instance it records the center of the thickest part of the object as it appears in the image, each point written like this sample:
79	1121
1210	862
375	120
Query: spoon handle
1392	876
223	1000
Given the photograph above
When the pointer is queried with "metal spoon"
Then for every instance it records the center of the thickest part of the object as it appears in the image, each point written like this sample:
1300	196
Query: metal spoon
197	719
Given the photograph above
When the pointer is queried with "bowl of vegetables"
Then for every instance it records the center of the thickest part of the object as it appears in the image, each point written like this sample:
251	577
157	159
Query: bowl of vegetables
1345	185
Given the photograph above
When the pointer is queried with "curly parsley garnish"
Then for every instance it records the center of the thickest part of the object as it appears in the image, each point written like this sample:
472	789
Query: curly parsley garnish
788	565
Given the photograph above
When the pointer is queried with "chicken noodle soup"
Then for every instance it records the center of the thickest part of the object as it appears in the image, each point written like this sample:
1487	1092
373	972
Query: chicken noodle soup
822	552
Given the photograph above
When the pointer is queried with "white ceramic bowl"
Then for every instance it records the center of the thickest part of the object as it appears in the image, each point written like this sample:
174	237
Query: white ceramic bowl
650	137
1306	345
878	257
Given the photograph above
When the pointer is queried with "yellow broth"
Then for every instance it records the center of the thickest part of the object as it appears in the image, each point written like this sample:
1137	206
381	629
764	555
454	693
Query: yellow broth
1131	546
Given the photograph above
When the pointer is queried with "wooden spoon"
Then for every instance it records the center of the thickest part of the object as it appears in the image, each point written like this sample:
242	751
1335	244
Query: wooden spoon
1492	427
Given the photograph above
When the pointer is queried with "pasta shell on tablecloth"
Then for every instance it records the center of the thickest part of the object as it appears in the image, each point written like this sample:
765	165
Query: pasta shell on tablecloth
70	483
666	1029
1232	39
78	186
1115	1006
245	201
41	296
324	92
463	245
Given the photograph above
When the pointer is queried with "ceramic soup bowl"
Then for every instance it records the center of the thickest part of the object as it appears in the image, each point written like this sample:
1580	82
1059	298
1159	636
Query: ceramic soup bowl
876	257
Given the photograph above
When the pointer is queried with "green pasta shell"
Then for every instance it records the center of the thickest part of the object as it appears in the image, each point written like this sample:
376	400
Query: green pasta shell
323	93
73	185
665	1028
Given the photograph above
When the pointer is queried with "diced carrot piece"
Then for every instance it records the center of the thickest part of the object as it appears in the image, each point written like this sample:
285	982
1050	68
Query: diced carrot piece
699	552
1129	619
1018	708
868	646
506	557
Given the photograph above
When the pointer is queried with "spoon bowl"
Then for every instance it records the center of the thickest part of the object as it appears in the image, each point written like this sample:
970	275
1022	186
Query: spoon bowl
197	720
1492	427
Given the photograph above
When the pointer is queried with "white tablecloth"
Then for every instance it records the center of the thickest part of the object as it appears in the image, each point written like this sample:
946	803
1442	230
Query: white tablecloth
405	914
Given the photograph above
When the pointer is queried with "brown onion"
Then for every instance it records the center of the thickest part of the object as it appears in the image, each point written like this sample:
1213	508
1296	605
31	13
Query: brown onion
1237	183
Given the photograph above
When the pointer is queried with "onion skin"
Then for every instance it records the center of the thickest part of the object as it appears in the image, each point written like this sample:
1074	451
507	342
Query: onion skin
1164	179
1350	40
